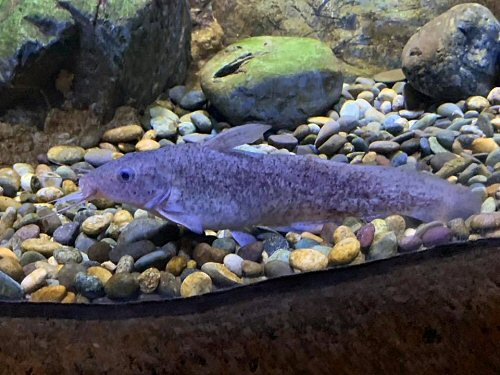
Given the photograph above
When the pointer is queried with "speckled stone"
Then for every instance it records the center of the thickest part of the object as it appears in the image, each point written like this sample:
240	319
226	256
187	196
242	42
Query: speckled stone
65	255
48	194
67	273
169	285
220	275
149	280
459	229
196	284
344	251
88	286
122	286
125	264
308	260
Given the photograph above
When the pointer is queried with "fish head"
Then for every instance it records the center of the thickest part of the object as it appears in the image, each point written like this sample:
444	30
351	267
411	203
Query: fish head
131	179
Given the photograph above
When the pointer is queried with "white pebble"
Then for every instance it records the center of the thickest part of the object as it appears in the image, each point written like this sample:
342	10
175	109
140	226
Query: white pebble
233	263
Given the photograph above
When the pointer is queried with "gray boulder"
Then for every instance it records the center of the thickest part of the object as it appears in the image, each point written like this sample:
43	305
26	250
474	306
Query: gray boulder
125	51
455	55
277	80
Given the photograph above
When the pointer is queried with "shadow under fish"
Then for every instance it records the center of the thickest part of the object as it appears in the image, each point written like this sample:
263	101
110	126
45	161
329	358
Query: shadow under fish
211	185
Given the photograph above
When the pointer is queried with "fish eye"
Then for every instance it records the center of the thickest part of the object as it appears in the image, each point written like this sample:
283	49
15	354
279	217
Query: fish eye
126	174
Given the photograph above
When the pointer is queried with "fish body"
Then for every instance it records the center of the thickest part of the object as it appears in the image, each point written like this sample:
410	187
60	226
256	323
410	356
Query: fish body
212	186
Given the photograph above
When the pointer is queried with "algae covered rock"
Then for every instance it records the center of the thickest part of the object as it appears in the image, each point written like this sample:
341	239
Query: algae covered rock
455	55
277	80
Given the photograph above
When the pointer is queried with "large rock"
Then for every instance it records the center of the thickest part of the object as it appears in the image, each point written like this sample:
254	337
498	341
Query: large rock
127	52
277	80
455	55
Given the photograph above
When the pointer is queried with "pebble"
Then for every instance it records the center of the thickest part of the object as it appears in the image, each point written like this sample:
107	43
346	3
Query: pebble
99	156
48	194
96	224
281	255
65	154
164	127
12	267
286	141
149	280
489	205
201	121
193	100
477	103
42	246
66	234
365	235
185	128
122	286
52	293
345	251
459	229
101	273
383	246
176	265
277	268
204	253
196	284
88	286
220	275
272	243
384	147
332	145
450	110
67	274
158	259
157	231
169	285
494	96
409	243
7	253
84	242
30	257
252	269
436	236
341	233
35	280
134	249
9	288
125	264
147	145
483	145
485	221
307	260
234	264
126	133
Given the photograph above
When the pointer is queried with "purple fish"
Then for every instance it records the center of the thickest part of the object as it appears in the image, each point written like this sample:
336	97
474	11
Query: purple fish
210	185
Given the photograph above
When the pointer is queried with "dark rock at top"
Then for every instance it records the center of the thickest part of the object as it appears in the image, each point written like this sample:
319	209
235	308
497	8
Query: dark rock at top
455	55
134	249
127	51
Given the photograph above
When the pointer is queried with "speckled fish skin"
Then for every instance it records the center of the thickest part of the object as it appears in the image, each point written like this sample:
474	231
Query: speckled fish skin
208	188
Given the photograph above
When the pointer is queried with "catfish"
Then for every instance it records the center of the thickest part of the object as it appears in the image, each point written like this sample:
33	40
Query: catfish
212	185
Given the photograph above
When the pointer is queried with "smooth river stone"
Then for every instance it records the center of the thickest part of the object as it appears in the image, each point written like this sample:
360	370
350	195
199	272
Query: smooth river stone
65	154
126	133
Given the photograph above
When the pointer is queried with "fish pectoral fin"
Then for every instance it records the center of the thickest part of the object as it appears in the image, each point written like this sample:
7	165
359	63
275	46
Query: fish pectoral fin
191	222
236	136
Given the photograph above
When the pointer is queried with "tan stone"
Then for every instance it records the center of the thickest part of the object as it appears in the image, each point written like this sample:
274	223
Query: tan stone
176	265
311	236
96	224
5	252
483	145
342	232
53	293
40	245
48	194
101	273
70	298
6	202
308	260
344	251
12	267
126	133
69	187
35	280
319	120
147	145
196	284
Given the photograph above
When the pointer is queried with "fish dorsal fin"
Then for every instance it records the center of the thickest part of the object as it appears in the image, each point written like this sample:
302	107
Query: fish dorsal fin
236	136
